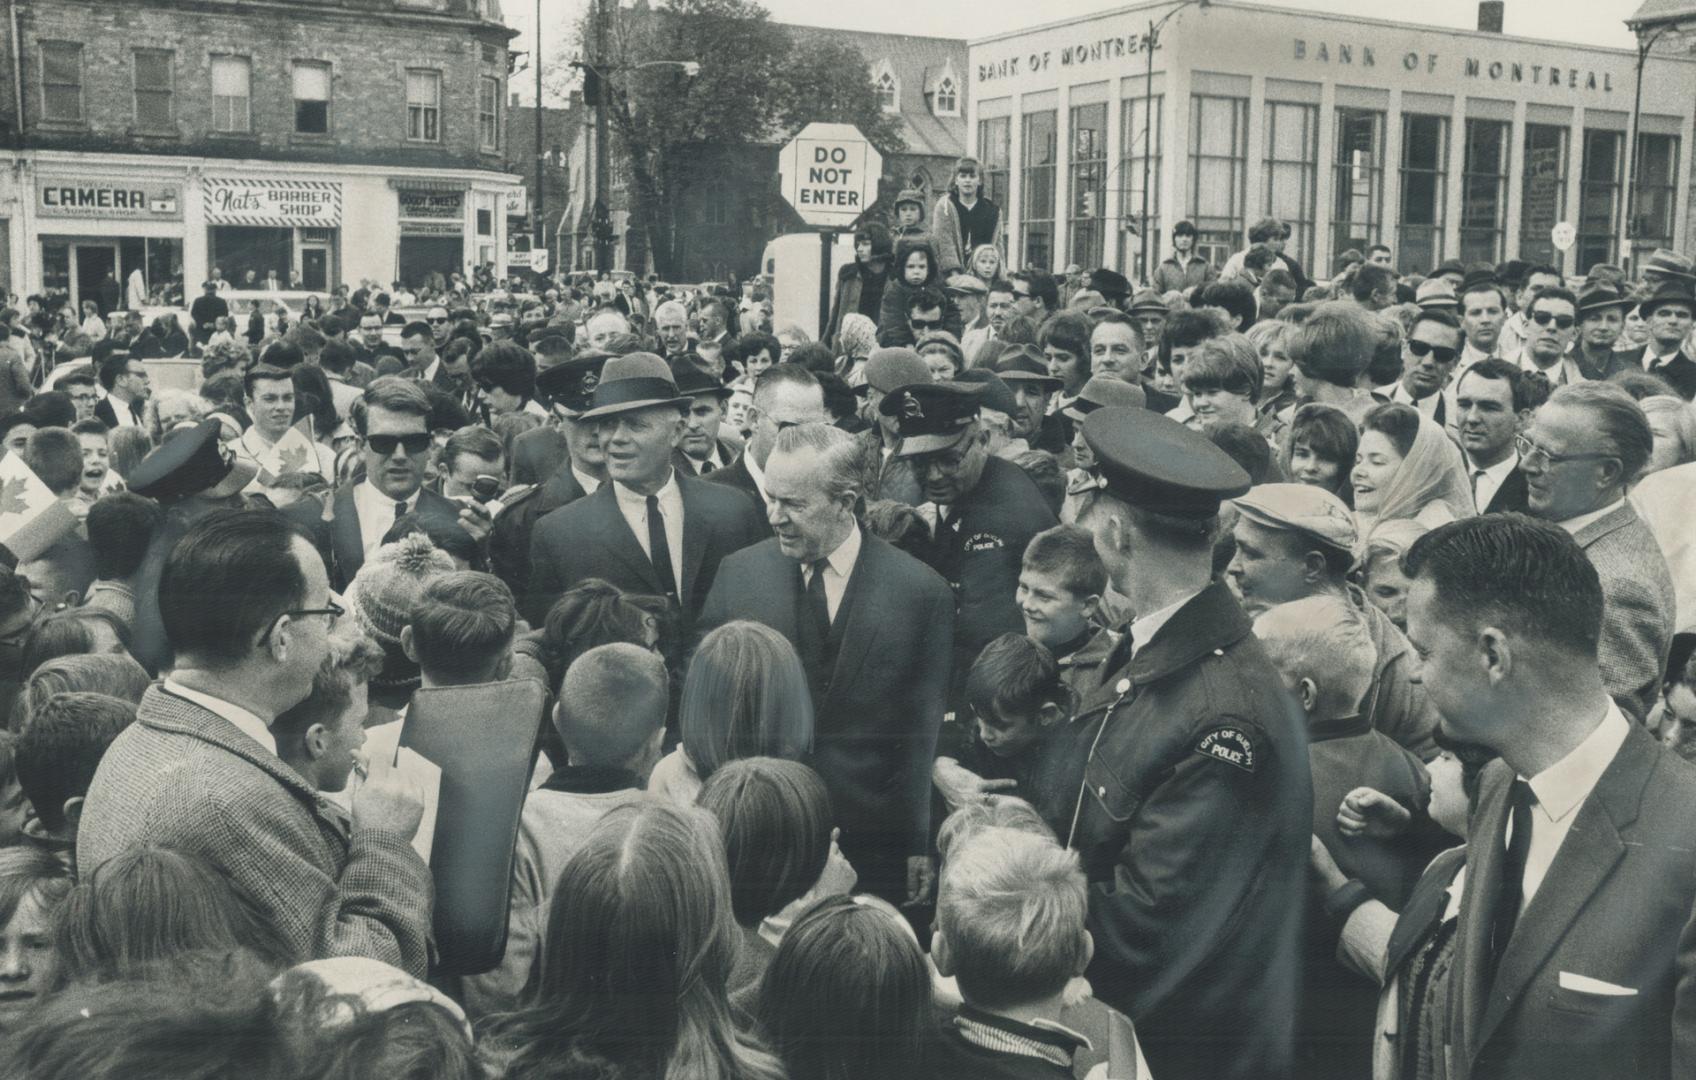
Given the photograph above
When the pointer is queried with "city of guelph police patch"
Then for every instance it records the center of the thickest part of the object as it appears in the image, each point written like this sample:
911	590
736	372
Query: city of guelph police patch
1231	745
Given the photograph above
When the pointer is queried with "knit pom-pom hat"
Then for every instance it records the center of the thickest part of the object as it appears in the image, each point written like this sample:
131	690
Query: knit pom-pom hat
385	593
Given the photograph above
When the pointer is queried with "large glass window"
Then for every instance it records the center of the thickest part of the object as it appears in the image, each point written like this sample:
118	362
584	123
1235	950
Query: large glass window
1292	172
1542	198
232	78
1218	170
424	105
1483	190
1089	184
311	98
1425	153
1037	209
995	156
1139	165
1357	194
153	86
489	113
61	80
1598	199
1656	181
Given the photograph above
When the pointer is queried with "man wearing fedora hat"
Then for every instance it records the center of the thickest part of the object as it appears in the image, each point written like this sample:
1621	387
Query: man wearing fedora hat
1669	311
1664	265
1601	317
702	449
1026	373
648	530
891	476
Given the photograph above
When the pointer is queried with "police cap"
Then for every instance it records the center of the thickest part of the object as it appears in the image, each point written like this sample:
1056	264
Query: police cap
1160	465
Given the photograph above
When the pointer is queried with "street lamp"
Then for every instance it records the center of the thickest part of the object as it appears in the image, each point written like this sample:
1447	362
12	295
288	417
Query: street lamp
1654	20
1148	119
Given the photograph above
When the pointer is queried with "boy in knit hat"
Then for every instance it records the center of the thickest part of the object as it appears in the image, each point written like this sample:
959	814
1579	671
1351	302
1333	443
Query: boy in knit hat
383	599
910	213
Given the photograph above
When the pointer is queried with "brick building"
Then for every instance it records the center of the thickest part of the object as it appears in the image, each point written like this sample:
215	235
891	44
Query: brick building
316	141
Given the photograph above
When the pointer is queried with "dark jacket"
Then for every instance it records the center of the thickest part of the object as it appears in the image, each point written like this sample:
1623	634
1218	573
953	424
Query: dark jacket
892	313
205	311
878	706
103	411
509	542
1512	497
1187	778
859	289
736	475
342	538
538	454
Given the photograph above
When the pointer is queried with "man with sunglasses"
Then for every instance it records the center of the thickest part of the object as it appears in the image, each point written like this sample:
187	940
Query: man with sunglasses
440	324
1551	327
1428	362
396	444
1582	452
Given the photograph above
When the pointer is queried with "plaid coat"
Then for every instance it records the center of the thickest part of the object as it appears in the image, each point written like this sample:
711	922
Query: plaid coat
185	778
1640	609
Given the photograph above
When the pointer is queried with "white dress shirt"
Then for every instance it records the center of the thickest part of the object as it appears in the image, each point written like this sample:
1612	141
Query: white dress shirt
1490	480
1561	789
759	474
243	720
588	483
1427	405
1144	627
376	514
1574	524
121	410
1470	354
1565	373
839	567
634	507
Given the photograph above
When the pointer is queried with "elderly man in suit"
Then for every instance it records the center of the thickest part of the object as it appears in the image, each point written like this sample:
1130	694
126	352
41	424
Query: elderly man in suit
397	444
874	628
1574	955
648	530
245	601
1494	400
1669	313
1580	456
784	395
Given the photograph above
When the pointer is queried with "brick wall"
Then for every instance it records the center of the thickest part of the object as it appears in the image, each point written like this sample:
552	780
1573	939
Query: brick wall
369	45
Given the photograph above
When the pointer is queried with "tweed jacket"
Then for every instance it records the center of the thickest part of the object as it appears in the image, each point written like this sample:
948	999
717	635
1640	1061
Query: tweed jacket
184	777
1641	607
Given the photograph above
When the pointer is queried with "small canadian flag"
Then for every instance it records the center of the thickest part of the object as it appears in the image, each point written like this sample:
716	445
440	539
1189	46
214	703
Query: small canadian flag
30	517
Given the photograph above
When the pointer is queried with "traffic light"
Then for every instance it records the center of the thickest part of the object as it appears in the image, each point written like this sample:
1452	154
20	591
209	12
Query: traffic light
1088	204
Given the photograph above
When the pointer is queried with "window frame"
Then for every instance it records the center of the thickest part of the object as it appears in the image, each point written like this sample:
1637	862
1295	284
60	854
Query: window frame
1439	174
1472	179
1537	246
1222	233
1305	167
168	92
47	88
1590	247
1030	171
1086	174
1131	113
1373	224
952	107
995	157
489	122
1666	190
328	100
424	111
246	63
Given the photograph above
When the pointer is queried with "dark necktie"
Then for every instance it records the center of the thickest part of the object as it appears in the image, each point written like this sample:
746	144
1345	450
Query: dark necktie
400	510
706	467
818	604
1512	890
135	411
659	550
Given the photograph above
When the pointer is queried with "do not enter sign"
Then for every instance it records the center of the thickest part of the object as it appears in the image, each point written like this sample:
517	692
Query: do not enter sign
830	174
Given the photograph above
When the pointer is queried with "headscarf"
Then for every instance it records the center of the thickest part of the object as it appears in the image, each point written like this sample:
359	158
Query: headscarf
1430	485
858	336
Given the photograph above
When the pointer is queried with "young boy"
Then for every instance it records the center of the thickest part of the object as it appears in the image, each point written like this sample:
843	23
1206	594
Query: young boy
55	758
1016	700
1010	930
320	737
1061	584
910	213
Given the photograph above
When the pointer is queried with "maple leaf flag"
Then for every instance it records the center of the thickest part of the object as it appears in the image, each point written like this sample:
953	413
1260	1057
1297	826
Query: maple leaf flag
30	517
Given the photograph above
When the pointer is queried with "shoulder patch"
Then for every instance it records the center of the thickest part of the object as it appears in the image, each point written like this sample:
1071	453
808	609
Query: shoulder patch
984	541
1229	744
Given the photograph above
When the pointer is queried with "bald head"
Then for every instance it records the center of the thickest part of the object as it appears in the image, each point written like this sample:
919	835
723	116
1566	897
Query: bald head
603	326
612	706
1320	640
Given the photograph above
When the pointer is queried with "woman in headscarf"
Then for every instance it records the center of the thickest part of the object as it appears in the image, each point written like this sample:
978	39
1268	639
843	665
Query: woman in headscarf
1406	467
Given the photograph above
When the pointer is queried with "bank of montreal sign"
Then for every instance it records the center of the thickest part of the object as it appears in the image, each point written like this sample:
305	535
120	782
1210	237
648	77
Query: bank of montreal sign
266	203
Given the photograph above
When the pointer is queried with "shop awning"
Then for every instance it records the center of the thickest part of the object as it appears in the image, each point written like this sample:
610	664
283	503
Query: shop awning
400	183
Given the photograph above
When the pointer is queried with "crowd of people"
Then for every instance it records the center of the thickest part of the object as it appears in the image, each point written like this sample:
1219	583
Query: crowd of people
1244	675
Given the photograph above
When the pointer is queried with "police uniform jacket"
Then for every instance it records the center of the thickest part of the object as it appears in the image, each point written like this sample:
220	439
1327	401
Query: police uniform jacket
980	543
509	543
1184	785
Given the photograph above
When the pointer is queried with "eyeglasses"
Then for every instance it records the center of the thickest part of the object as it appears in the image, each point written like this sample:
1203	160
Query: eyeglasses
1530	452
926	324
331	609
1562	322
415	442
436	322
1423	349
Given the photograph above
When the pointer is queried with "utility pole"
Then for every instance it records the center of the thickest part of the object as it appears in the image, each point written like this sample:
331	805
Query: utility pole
603	248
539	202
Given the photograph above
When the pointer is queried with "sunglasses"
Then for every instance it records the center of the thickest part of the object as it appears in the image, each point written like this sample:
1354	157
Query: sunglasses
436	322
927	324
1423	349
1562	322
415	442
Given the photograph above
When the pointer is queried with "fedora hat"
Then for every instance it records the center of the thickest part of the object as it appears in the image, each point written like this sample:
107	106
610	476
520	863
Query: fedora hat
639	380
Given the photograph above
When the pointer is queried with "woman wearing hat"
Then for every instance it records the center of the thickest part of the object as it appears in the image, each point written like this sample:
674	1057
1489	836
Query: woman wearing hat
1601	317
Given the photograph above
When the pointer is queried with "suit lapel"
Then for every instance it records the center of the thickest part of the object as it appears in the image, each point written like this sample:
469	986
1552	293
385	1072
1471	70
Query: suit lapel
1604	525
694	538
346	543
855	627
623	543
1468	995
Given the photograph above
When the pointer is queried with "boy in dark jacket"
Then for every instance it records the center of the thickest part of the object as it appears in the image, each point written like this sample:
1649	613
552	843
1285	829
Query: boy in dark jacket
1017	699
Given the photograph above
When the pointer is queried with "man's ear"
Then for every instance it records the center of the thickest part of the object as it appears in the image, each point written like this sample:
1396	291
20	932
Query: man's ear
1307	692
406	643
1091	604
316	739
1495	654
278	641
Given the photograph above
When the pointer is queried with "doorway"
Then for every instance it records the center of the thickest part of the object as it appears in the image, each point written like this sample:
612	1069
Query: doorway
90	264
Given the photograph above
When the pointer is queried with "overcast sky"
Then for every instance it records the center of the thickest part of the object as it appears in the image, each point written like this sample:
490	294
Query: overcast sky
1594	22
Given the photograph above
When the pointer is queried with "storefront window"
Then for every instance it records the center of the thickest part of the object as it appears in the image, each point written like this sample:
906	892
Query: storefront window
1483	193
1598	200
1218	168
1358	191
267	252
1089	184
1037	213
1656	181
1139	162
104	268
1425	153
1542	200
994	156
1292	172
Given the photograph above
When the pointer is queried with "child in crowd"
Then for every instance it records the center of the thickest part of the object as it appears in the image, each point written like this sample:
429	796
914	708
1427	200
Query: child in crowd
1062	584
321	737
1017	700
56	756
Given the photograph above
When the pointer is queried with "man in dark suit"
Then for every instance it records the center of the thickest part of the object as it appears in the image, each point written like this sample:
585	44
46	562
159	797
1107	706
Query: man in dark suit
1669	313
874	630
206	310
702	451
648	530
397	444
1494	401
784	395
1573	955
127	388
569	389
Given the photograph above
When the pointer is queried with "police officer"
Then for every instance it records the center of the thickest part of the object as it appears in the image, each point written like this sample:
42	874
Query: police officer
568	387
1183	782
987	508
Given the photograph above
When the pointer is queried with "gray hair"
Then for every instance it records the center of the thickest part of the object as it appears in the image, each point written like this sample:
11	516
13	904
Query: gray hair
1619	419
841	457
671	307
1322	638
